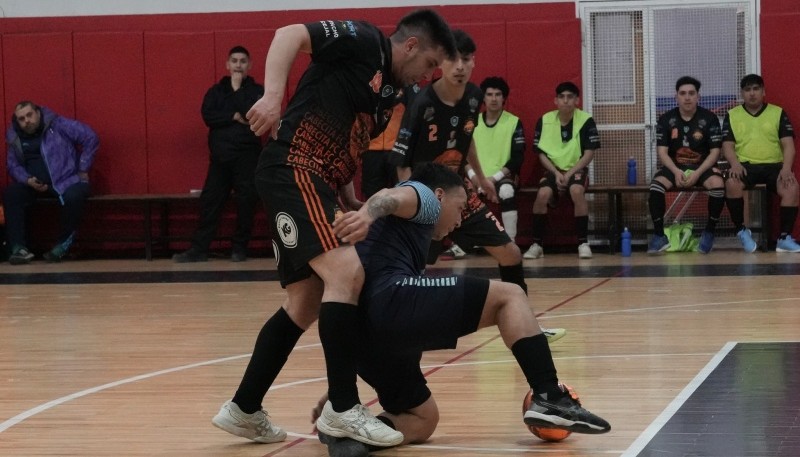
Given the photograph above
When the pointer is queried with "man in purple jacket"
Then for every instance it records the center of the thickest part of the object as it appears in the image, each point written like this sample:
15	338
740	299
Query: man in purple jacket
48	156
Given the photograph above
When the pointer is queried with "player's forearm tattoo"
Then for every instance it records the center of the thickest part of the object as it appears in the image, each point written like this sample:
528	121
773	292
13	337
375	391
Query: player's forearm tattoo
382	205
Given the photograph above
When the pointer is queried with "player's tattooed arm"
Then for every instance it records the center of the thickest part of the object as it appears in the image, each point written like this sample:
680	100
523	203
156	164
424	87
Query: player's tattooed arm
399	201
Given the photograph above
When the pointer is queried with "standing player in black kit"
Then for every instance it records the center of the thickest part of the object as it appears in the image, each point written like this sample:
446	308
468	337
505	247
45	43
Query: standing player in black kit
343	100
438	127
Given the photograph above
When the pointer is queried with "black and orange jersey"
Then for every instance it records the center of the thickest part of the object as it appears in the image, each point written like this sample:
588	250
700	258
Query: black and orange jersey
344	99
689	142
432	131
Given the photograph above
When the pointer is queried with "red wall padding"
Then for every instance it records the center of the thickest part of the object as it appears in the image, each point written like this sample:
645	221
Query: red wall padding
139	80
110	90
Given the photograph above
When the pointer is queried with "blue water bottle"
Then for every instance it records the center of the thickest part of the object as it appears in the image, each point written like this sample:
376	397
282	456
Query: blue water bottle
631	171
626	243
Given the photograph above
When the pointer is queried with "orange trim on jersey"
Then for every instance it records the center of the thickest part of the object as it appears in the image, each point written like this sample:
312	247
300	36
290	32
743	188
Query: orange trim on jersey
315	210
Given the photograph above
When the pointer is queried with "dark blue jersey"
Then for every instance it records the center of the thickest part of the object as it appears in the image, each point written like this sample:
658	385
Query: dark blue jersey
395	248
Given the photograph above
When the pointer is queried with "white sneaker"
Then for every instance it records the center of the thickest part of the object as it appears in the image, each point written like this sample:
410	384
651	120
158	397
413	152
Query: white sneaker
359	424
455	252
534	252
553	334
584	251
256	426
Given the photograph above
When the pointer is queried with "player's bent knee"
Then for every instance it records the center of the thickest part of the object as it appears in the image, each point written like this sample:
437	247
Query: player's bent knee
505	192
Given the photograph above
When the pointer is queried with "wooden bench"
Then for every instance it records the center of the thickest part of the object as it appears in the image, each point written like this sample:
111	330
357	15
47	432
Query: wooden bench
150	208
148	202
616	214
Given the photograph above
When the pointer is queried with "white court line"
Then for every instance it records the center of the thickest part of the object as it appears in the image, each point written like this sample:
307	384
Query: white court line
673	407
5	425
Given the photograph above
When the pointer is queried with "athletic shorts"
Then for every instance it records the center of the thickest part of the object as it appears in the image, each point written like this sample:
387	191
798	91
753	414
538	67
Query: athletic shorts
762	173
667	173
417	314
300	207
480	229
396	378
580	178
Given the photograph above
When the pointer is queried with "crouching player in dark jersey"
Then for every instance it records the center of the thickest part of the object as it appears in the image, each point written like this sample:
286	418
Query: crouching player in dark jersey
405	312
438	127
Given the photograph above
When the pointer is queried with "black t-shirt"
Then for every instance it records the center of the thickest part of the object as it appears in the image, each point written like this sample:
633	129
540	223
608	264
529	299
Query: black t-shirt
590	137
689	142
784	125
32	155
343	100
432	131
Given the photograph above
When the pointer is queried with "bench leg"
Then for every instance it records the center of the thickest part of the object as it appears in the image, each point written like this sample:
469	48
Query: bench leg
148	231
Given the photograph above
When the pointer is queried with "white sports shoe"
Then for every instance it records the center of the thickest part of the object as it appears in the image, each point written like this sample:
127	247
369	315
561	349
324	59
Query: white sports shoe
584	251
359	424
256	426
553	334
534	252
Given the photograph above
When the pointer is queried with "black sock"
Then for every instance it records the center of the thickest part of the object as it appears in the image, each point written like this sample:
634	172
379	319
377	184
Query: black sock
338	331
534	358
274	344
736	210
582	227
658	206
716	203
539	221
788	215
514	274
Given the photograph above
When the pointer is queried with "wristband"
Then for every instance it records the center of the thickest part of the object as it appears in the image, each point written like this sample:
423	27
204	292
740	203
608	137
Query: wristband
471	173
499	175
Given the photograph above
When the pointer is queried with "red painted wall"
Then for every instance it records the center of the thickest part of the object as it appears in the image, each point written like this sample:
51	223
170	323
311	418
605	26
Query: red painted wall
778	23
139	80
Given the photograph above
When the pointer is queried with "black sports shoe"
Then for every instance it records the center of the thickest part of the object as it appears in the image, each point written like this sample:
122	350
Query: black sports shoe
191	255
564	413
344	447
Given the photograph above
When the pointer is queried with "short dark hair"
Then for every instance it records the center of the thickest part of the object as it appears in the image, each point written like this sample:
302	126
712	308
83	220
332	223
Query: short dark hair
238	50
25	103
752	80
464	43
496	82
683	80
428	25
435	175
568	86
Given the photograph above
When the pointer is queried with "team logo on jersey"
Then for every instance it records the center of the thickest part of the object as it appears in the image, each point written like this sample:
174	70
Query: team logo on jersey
387	91
454	121
674	135
697	135
428	115
469	126
287	229
473	103
277	252
375	84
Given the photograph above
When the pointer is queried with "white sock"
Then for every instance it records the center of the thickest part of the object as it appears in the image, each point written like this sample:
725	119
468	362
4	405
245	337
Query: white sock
510	223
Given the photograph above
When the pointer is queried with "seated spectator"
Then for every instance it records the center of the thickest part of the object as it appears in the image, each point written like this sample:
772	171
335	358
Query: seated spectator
758	142
688	140
232	163
48	156
566	139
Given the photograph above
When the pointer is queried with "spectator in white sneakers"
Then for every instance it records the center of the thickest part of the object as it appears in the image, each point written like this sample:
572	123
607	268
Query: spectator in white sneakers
566	139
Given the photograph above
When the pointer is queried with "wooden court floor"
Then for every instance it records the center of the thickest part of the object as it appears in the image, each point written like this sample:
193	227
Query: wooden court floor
119	358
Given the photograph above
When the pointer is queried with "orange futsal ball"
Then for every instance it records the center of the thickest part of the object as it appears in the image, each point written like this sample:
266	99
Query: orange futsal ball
544	433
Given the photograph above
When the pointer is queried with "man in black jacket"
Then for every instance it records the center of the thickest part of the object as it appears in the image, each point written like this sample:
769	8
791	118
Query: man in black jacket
234	155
